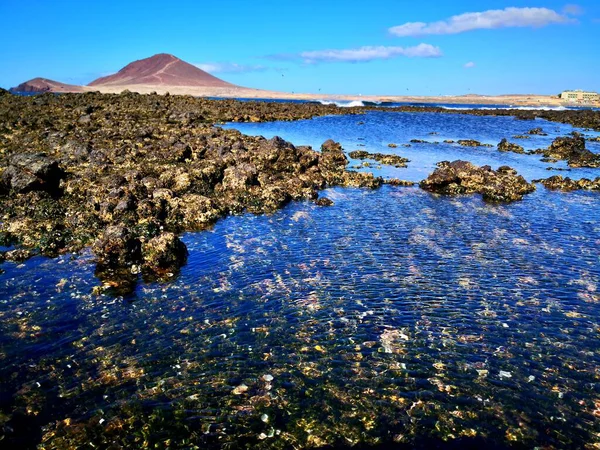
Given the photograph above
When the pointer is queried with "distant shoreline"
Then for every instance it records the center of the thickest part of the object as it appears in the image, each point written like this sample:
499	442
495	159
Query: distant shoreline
239	92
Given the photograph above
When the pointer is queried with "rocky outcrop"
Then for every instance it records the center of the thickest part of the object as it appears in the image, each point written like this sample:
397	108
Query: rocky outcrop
462	177
472	143
559	183
389	160
572	149
28	172
538	132
505	146
164	254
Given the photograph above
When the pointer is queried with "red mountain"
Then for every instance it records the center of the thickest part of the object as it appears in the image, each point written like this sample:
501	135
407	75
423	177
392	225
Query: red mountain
161	70
46	85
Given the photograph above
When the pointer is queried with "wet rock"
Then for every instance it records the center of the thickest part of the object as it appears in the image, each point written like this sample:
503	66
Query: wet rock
324	201
418	141
521	136
557	182
32	172
18	255
448	141
390	160
571	149
163	254
538	132
505	146
117	247
462	177
471	143
392	145
240	177
398	182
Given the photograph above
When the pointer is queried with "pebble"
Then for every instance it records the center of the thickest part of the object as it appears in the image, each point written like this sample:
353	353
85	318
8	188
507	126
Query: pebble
268	378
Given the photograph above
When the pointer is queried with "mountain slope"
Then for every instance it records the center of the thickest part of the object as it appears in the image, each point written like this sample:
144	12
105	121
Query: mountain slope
161	70
46	85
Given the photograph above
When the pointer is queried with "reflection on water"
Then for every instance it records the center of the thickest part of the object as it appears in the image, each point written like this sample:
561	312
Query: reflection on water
395	316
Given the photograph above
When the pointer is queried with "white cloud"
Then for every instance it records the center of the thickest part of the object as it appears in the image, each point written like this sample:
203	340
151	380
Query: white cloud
227	67
469	65
495	18
574	10
364	54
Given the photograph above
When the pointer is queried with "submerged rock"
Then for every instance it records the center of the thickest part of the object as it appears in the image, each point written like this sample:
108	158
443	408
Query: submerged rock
505	146
462	177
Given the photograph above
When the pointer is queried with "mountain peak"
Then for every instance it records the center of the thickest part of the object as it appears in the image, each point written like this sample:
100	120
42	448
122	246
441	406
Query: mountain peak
162	69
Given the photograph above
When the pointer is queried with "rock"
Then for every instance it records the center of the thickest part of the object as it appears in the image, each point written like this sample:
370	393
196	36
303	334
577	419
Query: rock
571	149
472	143
392	145
18	255
557	182
537	131
521	136
32	172
462	177
418	141
505	146
448	141
163	254
240	177
391	160
324	201
397	182
117	247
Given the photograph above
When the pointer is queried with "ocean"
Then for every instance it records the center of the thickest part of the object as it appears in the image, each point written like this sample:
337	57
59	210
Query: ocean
394	317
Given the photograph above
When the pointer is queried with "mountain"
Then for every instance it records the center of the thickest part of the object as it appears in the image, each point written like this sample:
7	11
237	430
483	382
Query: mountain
161	70
46	85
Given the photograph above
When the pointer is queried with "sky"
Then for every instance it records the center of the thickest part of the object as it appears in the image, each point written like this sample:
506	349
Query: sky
383	47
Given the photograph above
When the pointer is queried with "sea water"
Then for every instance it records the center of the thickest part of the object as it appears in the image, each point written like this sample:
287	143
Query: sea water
395	316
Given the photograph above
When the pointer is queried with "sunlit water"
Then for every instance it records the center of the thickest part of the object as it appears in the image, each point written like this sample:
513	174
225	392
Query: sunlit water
393	316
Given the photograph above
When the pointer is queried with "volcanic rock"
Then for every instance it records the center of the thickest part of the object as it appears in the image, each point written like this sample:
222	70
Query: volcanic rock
164	253
505	146
32	172
462	177
557	182
572	149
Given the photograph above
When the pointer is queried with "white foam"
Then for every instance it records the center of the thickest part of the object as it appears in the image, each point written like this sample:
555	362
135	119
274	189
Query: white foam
342	104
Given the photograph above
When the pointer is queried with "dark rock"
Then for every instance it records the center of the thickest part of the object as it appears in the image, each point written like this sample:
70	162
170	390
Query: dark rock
505	146
537	131
391	160
392	145
324	201
572	149
32	172
117	247
462	177
163	254
557	182
472	143
397	182
418	141
18	255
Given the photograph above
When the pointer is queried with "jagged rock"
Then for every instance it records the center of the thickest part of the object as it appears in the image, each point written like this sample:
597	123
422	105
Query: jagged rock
117	247
572	149
390	160
32	172
537	131
462	177
557	182
163	254
472	143
505	146
324	201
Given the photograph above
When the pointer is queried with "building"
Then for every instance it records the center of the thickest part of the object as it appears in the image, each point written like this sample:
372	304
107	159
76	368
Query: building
580	96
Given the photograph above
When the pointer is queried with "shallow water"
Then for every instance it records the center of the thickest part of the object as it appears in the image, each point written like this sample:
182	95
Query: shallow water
393	316
375	130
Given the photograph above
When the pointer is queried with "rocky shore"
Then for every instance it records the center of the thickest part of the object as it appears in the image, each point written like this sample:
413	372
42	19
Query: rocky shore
126	174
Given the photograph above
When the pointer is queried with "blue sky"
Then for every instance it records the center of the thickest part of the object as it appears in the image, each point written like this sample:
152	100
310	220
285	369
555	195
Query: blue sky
329	46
